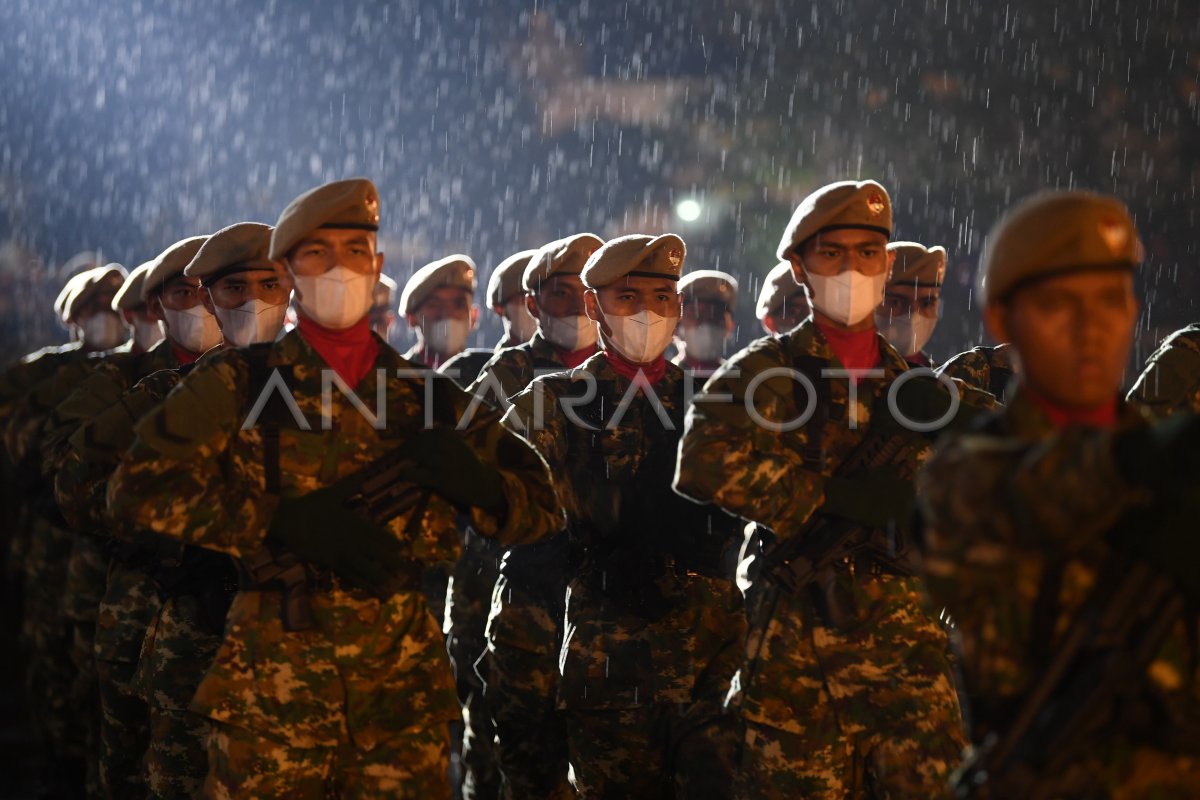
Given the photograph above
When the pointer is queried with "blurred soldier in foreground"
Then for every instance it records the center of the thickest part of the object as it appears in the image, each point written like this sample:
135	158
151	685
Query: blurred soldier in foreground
1171	380
332	678
506	298
651	626
1062	533
912	300
709	298
438	303
845	687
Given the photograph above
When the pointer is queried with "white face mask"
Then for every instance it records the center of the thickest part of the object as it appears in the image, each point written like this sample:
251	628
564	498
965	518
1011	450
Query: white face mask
103	331
570	333
446	337
147	334
908	333
194	330
846	298
252	322
521	323
643	337
703	342
336	299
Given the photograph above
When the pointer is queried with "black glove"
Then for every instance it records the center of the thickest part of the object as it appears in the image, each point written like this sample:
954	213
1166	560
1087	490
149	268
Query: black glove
1163	457
319	528
872	498
1166	537
447	465
925	399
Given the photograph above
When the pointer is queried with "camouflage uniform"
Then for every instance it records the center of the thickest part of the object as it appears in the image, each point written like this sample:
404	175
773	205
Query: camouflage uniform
120	598
652	628
465	367
829	710
1171	380
1026	494
988	368
361	700
519	618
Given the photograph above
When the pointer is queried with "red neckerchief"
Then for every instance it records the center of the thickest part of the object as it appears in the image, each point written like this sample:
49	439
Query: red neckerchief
183	355
857	350
653	371
351	352
1104	416
918	360
573	358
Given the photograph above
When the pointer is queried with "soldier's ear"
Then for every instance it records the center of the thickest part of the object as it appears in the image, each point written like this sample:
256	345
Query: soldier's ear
891	261
768	323
591	305
154	307
531	305
729	323
207	301
378	265
475	317
798	272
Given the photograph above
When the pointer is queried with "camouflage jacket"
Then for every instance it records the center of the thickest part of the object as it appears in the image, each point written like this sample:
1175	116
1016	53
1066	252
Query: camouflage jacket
513	368
990	369
1171	380
465	367
751	466
196	474
649	618
58	372
1014	525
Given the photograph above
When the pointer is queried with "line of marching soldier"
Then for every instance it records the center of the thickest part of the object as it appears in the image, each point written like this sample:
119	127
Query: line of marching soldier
260	558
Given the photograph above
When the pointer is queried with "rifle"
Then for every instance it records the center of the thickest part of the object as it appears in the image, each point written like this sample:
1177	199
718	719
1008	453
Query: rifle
1111	642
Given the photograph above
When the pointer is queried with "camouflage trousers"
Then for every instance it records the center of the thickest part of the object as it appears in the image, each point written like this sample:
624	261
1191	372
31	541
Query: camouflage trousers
684	750
51	674
867	709
176	655
129	606
87	570
480	772
521	670
257	766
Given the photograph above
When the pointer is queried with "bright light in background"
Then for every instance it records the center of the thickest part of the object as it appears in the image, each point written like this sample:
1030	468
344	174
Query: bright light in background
688	210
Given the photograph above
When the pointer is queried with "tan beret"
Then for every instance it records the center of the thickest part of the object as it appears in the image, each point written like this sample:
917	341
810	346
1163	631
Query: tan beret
130	295
1053	233
779	285
456	270
917	265
506	279
240	247
846	204
88	284
709	284
636	255
565	256
352	203
171	263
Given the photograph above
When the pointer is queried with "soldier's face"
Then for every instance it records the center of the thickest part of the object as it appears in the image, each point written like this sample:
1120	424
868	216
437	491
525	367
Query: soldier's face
631	295
560	296
445	302
795	309
834	252
180	294
234	291
905	299
326	248
1073	333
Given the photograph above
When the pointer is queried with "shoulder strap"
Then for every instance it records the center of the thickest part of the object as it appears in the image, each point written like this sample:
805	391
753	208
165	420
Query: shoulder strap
814	449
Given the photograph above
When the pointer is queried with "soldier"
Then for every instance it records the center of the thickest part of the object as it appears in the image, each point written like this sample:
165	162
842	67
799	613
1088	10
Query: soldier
519	667
1171	379
845	686
382	302
438	303
1025	512
709	297
332	677
782	302
506	297
651	624
912	300
991	369
113	608
147	328
53	682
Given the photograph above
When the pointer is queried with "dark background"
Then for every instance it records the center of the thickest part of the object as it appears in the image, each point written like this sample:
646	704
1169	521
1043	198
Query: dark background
494	126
